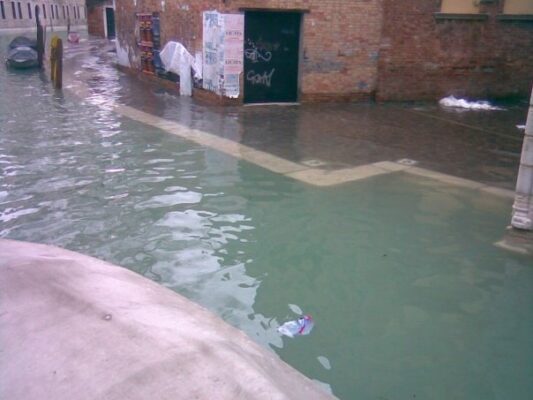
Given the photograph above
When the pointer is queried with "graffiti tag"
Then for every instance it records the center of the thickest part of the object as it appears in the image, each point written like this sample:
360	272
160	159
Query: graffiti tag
254	54
260	79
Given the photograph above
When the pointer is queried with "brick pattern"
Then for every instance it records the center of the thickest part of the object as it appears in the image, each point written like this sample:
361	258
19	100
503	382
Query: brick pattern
95	19
340	43
358	49
424	58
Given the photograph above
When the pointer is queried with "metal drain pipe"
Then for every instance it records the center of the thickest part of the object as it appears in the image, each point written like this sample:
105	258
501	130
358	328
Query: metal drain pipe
523	202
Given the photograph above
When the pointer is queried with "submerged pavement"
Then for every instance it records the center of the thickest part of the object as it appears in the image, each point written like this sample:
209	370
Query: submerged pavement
74	327
102	85
326	144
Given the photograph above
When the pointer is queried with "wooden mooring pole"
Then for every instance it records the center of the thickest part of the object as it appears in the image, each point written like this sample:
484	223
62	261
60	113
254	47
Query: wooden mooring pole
56	62
40	38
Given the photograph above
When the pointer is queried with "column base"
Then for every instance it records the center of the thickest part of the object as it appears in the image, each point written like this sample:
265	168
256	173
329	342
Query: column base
517	240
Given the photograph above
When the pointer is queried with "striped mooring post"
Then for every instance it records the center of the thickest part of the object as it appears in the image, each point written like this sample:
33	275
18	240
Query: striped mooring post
523	203
56	62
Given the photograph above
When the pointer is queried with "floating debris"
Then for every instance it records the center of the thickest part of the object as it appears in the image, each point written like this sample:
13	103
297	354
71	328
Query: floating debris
454	102
407	161
302	326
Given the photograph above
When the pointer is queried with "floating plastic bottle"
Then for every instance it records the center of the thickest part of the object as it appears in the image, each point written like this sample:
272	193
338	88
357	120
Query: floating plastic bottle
302	326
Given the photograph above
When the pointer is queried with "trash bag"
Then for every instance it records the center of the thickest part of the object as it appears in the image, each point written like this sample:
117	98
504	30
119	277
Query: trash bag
302	326
175	58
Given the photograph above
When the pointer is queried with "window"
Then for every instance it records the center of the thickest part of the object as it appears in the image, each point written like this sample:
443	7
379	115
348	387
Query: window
29	11
518	7
20	10
63	12
13	9
44	11
68	13
460	6
52	10
57	13
2	10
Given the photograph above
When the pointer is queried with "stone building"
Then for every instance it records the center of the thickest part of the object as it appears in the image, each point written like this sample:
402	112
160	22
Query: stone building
322	50
101	18
53	13
479	49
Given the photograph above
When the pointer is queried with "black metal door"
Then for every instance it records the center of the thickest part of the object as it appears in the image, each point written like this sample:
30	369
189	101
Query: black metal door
110	22
271	48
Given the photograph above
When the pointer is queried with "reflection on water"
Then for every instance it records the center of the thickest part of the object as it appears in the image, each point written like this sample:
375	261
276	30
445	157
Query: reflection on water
409	296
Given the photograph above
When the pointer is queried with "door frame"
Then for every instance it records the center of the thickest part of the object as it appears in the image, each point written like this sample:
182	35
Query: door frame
301	51
105	21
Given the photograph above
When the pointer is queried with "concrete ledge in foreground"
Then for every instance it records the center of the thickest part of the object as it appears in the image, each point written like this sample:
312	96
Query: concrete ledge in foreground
74	327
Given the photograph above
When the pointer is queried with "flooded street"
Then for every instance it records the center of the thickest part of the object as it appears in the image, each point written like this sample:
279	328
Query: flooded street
410	297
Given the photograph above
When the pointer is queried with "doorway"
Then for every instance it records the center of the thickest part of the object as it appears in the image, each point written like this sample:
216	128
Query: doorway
110	22
271	56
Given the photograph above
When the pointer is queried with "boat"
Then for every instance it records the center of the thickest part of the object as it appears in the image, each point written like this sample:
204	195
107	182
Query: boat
73	37
22	53
24	42
22	57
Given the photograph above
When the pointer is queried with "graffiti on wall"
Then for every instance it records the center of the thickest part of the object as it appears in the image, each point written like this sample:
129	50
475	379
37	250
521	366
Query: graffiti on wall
264	78
256	54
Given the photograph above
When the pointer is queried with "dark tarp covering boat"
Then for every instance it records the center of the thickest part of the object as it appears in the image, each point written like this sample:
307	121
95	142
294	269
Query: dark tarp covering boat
22	53
22	57
23	41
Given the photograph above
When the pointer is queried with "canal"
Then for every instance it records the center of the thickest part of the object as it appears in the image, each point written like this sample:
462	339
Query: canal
410	297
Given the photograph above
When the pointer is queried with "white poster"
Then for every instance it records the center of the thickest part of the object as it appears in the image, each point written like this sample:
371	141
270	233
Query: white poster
223	38
233	53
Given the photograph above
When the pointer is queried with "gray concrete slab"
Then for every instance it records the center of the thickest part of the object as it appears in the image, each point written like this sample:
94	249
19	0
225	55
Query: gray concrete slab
74	327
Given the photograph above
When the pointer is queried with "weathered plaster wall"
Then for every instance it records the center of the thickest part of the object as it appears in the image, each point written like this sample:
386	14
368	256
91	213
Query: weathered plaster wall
181	21
27	18
425	58
340	38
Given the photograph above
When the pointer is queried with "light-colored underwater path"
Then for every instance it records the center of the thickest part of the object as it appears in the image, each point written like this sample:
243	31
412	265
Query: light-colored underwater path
303	172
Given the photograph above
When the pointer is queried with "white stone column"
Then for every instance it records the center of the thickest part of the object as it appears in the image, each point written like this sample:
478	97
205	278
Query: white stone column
523	203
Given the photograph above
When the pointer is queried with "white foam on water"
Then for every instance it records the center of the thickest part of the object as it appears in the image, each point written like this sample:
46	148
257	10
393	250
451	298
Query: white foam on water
295	309
324	362
454	102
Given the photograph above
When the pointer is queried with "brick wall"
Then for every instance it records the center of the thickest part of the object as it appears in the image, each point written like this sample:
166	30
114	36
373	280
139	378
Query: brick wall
95	19
425	58
349	53
340	38
181	21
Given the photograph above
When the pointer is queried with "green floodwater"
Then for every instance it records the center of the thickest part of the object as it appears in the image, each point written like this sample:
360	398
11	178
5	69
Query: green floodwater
410	297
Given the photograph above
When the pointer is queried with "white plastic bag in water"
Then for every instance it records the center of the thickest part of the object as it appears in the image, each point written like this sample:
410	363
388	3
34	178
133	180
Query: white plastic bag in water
302	326
451	101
